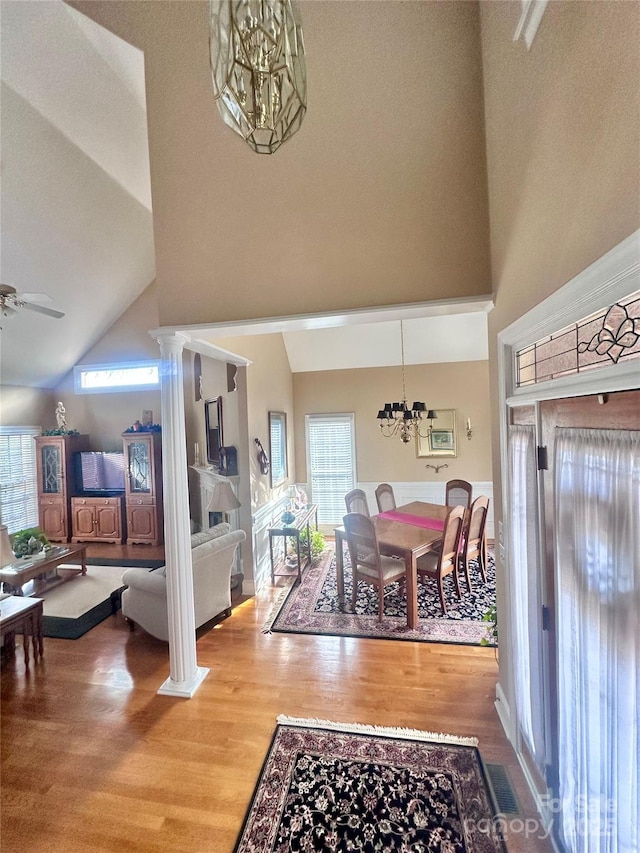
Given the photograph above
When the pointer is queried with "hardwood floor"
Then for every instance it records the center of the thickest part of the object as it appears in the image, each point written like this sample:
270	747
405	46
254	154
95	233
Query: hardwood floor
94	760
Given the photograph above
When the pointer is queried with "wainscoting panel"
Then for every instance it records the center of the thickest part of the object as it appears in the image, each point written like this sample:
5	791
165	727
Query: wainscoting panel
266	515
264	518
429	492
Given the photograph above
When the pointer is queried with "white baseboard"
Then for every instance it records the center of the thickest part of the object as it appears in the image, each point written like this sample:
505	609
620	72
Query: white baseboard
504	713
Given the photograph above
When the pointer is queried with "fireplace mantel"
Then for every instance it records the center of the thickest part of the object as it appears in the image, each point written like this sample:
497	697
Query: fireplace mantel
208	478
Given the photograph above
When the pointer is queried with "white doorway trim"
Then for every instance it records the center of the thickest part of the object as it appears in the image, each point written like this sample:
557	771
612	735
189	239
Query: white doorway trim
612	277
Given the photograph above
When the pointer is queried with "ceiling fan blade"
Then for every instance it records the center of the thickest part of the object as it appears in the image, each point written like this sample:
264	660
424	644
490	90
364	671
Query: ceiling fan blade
50	312
39	298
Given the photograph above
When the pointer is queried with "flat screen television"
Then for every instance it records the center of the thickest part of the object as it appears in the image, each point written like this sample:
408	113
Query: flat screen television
99	472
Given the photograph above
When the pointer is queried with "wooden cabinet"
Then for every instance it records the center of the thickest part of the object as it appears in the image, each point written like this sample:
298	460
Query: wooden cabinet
97	519
143	487
54	455
142	521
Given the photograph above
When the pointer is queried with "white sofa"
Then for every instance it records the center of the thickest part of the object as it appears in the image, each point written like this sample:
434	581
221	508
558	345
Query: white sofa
144	601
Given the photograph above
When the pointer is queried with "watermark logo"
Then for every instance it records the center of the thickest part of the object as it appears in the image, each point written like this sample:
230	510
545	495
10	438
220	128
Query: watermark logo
586	817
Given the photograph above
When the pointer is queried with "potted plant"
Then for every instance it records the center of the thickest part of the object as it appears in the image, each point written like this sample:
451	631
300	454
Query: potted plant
317	544
29	541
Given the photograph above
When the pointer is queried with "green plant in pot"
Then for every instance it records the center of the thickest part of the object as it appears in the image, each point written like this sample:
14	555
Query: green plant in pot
318	543
29	541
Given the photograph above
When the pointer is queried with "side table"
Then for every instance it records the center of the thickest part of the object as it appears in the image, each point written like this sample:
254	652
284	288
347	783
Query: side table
293	531
25	613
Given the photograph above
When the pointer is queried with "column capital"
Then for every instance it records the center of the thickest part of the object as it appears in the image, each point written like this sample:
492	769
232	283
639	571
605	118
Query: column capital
171	343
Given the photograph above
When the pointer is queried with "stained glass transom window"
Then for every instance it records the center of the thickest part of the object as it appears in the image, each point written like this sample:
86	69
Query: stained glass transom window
607	337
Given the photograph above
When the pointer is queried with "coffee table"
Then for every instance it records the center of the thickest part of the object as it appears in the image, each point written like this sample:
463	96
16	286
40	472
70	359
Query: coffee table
19	573
25	614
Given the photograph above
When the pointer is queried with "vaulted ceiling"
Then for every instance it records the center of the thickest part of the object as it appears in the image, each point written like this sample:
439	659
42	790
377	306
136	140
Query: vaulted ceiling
77	219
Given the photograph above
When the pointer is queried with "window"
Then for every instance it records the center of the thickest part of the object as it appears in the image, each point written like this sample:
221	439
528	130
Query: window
105	378
278	447
18	478
606	337
331	464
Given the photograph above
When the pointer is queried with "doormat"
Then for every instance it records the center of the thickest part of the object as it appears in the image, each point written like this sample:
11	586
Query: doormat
331	786
312	607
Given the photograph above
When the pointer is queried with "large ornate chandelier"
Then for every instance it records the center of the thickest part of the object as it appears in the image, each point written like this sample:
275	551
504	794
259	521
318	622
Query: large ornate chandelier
258	69
398	419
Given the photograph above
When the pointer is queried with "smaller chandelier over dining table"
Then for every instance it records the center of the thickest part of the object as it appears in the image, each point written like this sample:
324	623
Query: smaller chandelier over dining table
398	419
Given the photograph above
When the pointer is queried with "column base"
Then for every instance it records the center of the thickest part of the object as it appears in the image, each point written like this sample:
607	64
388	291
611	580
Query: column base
184	689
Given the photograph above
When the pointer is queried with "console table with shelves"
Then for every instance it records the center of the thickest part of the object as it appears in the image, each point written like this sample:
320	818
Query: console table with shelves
303	521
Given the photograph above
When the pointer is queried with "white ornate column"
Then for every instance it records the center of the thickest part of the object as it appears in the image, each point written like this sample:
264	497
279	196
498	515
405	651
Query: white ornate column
185	674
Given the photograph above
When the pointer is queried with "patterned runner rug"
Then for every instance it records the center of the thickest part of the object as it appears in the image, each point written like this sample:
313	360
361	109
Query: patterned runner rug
312	607
326	786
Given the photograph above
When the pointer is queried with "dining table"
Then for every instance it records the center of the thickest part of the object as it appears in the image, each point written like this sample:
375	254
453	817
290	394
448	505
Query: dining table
408	532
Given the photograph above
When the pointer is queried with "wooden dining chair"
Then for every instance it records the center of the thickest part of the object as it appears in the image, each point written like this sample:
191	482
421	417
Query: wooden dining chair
367	564
442	559
356	501
385	497
458	493
474	546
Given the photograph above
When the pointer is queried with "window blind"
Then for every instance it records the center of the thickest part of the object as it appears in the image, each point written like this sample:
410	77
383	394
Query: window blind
330	464
18	478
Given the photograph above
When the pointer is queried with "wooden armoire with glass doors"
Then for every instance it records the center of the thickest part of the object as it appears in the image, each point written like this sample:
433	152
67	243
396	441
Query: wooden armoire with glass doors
54	462
143	487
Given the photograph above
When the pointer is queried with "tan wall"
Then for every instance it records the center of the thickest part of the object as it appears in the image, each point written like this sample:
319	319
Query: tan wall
104	417
563	149
562	144
385	182
462	386
269	388
27	406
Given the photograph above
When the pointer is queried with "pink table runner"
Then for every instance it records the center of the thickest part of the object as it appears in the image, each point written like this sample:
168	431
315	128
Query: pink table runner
416	520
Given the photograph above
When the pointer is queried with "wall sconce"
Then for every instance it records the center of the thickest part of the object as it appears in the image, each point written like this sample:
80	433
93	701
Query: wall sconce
469	430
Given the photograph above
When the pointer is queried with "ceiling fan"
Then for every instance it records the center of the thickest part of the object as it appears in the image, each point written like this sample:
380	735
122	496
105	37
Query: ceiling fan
11	301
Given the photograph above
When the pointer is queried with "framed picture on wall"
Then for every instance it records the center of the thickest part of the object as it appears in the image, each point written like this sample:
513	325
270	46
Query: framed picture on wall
441	439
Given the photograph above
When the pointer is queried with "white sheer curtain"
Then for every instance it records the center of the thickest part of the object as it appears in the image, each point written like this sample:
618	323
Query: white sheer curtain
597	509
525	598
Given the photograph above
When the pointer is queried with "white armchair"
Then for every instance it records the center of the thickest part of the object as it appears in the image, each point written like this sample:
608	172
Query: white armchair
144	601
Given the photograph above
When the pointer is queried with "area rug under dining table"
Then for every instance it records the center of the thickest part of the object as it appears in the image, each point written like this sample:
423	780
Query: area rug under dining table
331	786
313	607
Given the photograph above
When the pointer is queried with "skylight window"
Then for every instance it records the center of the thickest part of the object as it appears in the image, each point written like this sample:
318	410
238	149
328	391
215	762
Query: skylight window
106	378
